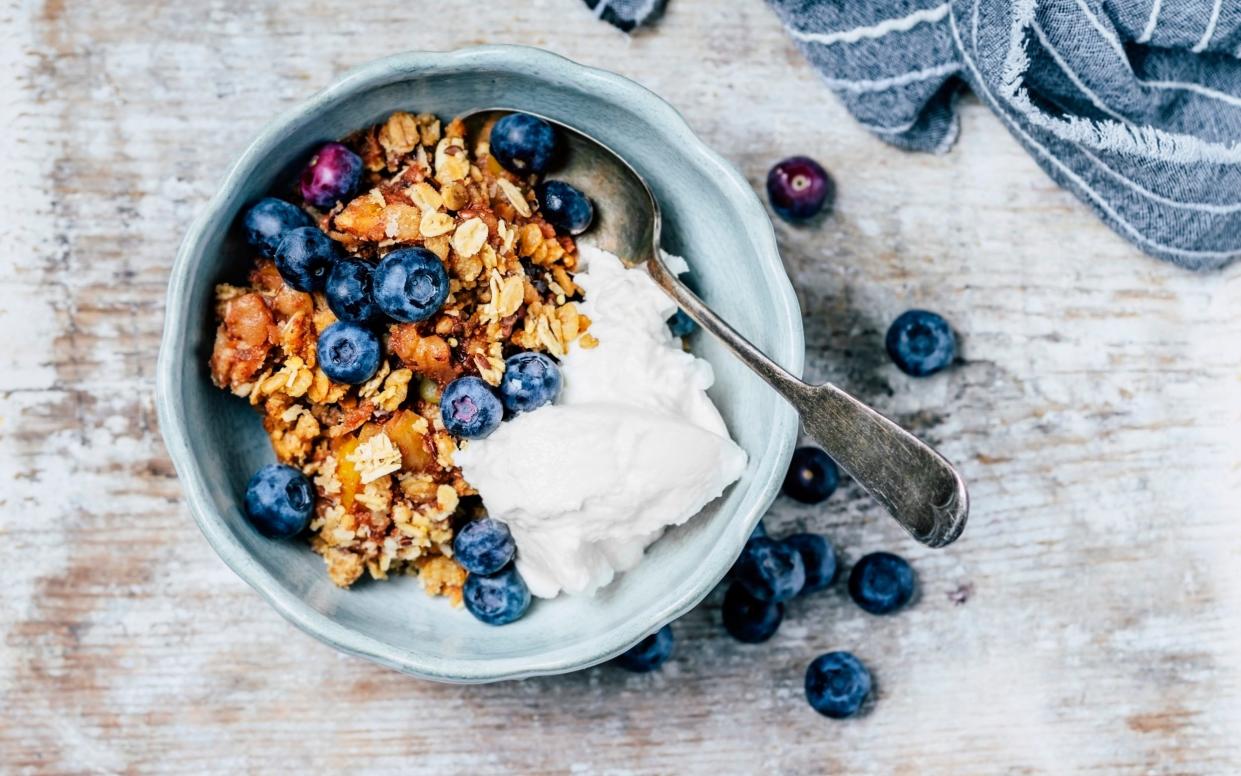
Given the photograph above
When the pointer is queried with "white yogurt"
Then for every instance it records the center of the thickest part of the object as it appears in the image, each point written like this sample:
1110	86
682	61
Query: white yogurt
633	445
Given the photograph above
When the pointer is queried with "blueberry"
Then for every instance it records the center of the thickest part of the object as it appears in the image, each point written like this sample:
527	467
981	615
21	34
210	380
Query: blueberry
469	409
564	206
837	684
268	221
819	558
410	284
759	531
881	583
279	501
348	353
812	476
348	291
497	599
748	619
650	653
681	325
331	176
523	143
305	257
770	570
530	381
484	546
799	188
921	343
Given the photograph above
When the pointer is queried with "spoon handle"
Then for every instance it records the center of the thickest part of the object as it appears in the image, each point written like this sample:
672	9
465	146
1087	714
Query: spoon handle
917	485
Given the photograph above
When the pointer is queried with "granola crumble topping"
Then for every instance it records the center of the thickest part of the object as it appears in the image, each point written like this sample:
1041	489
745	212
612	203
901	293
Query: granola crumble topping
378	455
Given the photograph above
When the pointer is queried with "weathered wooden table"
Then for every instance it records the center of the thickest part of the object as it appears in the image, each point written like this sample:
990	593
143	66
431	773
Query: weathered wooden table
1089	620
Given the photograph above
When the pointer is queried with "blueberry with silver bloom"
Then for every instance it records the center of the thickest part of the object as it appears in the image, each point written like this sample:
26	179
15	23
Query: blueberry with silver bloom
812	476
469	409
523	143
819	558
304	258
349	291
564	206
332	175
921	343
484	546
269	219
279	501
348	353
881	583
650	653
410	284
770	570
837	684
497	599
530	381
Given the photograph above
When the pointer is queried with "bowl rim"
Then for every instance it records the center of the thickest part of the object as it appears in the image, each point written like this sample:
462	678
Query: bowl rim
178	318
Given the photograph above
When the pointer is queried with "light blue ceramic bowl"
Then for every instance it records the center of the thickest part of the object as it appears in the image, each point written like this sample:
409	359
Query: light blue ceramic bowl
711	217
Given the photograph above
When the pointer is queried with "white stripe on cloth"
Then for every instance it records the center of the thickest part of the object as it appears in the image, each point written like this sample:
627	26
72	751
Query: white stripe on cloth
883	84
1205	91
1064	67
1210	30
903	24
1024	14
599	9
1111	39
1151	22
1202	207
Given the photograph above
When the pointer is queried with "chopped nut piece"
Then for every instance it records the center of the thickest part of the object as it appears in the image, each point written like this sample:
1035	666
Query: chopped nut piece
375	458
514	196
434	224
469	237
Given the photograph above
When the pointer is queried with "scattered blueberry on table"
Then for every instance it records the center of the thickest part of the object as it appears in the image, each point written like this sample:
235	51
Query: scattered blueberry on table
799	188
305	257
564	206
348	353
812	477
484	546
268	220
523	143
921	343
819	558
748	619
881	583
650	653
530	380
496	599
770	570
279	501
837	684
349	294
410	284
469	409
332	176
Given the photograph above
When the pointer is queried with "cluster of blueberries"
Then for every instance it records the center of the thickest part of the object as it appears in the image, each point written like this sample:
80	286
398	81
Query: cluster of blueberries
408	285
770	571
773	571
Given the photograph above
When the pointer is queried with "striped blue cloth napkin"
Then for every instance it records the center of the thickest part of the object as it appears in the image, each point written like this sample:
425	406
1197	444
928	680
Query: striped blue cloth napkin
1133	105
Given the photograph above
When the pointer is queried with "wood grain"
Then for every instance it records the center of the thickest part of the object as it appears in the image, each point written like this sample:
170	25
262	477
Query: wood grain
1087	622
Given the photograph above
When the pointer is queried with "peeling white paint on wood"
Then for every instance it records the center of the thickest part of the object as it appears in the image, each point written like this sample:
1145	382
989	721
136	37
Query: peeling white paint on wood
1087	620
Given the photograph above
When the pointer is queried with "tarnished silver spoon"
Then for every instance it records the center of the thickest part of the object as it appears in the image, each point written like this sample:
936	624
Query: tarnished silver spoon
917	485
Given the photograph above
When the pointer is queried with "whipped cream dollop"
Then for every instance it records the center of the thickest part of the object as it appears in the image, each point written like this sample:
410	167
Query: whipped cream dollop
632	446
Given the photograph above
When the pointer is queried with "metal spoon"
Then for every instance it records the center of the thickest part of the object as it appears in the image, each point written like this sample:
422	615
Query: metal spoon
917	485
